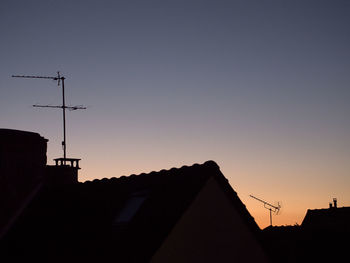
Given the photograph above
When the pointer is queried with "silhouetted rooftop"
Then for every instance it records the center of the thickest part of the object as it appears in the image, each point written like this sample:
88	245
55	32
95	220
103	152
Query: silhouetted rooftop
334	218
127	216
6	134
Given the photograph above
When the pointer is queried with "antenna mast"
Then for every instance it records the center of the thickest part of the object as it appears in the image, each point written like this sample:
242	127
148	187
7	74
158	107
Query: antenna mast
60	79
268	206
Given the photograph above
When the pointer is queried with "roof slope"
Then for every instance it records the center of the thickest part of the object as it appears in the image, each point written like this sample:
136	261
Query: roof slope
127	217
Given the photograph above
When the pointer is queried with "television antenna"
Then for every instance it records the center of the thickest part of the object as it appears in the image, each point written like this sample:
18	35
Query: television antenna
60	82
270	207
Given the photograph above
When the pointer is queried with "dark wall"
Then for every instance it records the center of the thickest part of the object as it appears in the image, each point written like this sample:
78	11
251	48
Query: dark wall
22	168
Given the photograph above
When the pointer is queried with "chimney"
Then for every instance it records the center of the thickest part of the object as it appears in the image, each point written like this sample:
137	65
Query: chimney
335	202
330	205
64	172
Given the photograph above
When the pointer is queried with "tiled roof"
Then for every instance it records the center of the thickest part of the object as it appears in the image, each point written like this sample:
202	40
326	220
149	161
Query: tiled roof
127	217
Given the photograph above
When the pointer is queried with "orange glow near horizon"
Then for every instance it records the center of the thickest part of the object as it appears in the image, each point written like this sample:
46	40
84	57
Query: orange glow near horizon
294	198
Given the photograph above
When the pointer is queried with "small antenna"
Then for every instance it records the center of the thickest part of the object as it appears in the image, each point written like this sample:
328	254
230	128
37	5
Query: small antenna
60	79
271	208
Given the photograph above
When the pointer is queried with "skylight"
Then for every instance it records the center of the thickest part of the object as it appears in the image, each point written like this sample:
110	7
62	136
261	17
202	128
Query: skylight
130	208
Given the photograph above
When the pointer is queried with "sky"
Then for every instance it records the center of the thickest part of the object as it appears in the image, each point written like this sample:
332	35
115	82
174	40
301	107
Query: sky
260	87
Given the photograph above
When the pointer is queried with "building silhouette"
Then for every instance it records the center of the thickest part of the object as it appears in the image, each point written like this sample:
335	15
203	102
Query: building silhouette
187	214
323	236
24	172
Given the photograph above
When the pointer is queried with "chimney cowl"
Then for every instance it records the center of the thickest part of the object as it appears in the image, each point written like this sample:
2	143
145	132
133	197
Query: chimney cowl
335	202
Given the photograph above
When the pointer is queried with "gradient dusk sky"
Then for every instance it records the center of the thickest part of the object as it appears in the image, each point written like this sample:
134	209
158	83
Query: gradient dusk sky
260	87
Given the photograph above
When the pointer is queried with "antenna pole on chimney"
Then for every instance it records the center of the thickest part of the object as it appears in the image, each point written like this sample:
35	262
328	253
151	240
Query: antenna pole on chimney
60	79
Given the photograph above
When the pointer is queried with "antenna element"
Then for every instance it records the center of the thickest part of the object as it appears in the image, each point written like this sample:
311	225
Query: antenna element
271	208
60	79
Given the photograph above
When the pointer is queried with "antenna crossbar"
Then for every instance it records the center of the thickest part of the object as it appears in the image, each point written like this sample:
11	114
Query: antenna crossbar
60	107
34	77
265	203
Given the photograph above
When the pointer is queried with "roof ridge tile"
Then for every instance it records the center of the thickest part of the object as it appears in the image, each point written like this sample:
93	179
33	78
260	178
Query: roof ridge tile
168	172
